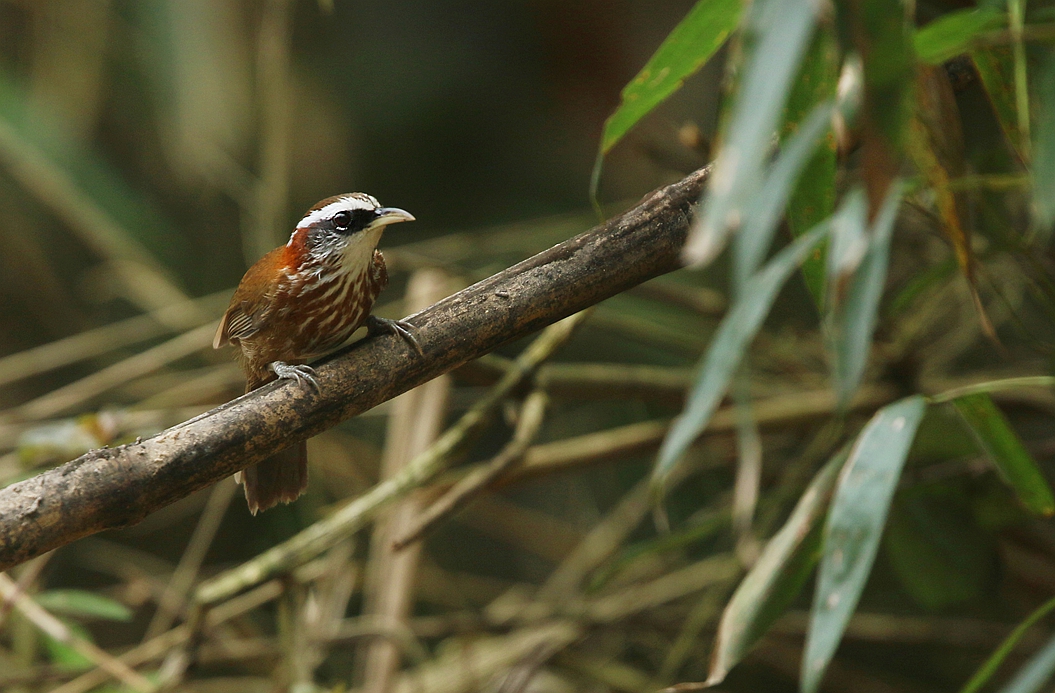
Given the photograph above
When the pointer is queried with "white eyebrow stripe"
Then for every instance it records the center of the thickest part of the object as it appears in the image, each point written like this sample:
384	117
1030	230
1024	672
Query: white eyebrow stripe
348	202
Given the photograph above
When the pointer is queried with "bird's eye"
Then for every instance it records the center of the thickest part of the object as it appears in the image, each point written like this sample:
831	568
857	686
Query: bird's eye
342	221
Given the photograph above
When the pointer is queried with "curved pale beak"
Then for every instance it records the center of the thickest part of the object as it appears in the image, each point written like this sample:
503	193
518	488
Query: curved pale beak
390	215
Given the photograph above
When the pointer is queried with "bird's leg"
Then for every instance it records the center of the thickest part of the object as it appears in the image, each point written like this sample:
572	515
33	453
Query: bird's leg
304	375
376	325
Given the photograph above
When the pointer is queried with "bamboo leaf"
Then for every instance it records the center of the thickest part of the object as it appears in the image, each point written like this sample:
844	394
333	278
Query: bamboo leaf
754	240
1002	445
685	50
778	33
849	243
814	195
83	603
854	528
953	33
777	576
731	340
854	321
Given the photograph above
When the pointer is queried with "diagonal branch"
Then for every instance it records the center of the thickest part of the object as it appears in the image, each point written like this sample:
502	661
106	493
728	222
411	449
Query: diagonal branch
117	487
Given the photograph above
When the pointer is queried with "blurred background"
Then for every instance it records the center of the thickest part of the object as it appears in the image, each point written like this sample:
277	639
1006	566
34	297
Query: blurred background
151	151
168	145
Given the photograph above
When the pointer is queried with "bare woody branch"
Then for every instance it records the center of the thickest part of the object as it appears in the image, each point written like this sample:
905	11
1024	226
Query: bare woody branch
117	487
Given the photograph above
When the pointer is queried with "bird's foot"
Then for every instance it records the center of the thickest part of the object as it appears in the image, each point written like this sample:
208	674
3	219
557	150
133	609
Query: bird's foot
304	375
376	325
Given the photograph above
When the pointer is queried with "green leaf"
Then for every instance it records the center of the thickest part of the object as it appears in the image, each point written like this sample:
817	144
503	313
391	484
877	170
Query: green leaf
952	34
849	242
1045	381
730	341
814	196
777	576
986	671
777	35
1002	445
685	50
1044	148
691	44
940	555
754	239
83	603
1036	673
854	321
854	528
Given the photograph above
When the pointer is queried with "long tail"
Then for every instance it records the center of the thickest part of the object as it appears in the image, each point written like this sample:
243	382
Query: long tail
280	478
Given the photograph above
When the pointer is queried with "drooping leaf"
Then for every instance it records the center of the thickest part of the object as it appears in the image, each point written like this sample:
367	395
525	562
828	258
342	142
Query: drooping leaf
848	245
777	36
1004	448
776	577
953	33
854	321
685	50
83	603
854	528
756	236
814	196
727	349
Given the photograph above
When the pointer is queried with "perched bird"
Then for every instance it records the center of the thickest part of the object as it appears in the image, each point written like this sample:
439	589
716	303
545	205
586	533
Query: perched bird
300	301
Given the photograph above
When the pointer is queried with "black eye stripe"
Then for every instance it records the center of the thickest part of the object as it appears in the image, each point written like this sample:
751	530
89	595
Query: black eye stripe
351	221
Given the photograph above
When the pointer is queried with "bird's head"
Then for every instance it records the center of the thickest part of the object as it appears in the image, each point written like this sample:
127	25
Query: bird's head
346	226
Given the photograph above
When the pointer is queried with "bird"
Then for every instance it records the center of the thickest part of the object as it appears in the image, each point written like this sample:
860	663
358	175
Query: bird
300	301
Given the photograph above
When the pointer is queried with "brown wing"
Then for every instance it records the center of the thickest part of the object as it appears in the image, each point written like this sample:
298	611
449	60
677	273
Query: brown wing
252	301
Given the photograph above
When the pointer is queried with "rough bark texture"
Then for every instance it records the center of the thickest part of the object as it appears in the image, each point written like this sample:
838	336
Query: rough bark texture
117	487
